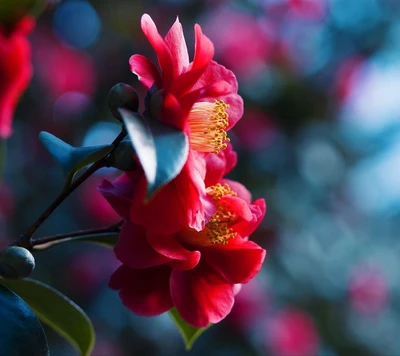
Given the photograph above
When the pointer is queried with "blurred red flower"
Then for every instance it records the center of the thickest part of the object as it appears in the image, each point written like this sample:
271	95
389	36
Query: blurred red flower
198	97
15	69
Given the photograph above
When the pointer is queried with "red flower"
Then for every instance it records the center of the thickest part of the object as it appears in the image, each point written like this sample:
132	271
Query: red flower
198	97
15	70
195	271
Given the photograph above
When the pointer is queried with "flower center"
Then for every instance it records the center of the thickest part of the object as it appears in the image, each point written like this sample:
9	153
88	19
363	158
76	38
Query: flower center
208	122
217	229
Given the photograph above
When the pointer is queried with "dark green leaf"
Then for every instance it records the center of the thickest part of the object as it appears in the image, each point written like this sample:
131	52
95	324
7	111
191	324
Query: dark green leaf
106	239
189	333
20	329
162	150
72	159
57	311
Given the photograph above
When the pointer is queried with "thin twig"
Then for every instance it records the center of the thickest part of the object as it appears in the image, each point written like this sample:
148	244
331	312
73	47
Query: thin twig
78	233
25	239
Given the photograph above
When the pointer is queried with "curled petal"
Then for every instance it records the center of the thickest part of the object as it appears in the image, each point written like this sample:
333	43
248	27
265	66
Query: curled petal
201	296
133	249
145	70
143	291
169	247
118	194
218	165
237	262
245	228
176	44
164	57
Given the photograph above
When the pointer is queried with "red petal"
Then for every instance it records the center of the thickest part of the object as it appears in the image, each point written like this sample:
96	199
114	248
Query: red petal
178	204
241	191
201	296
172	112
176	44
245	228
133	249
143	291
118	194
169	247
145	70
203	54
237	262
164	58
218	165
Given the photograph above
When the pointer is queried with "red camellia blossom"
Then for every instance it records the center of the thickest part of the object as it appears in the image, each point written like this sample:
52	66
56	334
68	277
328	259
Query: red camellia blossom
194	271
200	98
15	70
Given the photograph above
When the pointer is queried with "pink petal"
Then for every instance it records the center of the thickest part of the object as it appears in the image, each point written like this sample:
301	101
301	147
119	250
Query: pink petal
241	191
118	194
169	247
203	54
143	291
175	42
172	113
237	262
164	57
218	165
146	71
201	296
133	249
245	228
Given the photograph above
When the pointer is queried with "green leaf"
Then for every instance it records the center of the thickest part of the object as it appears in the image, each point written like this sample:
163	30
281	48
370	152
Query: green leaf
107	239
189	333
57	311
72	159
20	330
162	149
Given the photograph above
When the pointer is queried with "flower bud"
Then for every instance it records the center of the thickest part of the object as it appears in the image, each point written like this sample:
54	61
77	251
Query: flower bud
123	96
16	262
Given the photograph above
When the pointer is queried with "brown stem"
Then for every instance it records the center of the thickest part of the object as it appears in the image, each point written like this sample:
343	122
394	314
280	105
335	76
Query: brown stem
58	237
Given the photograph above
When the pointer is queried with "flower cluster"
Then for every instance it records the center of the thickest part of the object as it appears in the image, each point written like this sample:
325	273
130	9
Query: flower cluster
188	246
15	69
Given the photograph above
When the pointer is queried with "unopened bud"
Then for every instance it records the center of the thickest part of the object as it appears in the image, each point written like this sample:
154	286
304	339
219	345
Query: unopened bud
122	96
16	262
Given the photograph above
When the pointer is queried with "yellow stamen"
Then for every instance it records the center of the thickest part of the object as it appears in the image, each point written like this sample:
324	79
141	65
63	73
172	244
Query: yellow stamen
208	122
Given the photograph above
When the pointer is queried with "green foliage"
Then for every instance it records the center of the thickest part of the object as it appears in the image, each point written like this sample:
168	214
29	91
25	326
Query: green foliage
20	330
162	150
106	239
189	333
72	159
57	311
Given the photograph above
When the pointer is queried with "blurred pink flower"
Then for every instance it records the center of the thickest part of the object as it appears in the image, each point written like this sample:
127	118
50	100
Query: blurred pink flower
292	332
240	41
255	131
308	9
63	69
368	290
347	76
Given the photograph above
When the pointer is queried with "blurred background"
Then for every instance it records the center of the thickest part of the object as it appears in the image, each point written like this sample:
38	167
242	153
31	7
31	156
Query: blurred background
319	141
